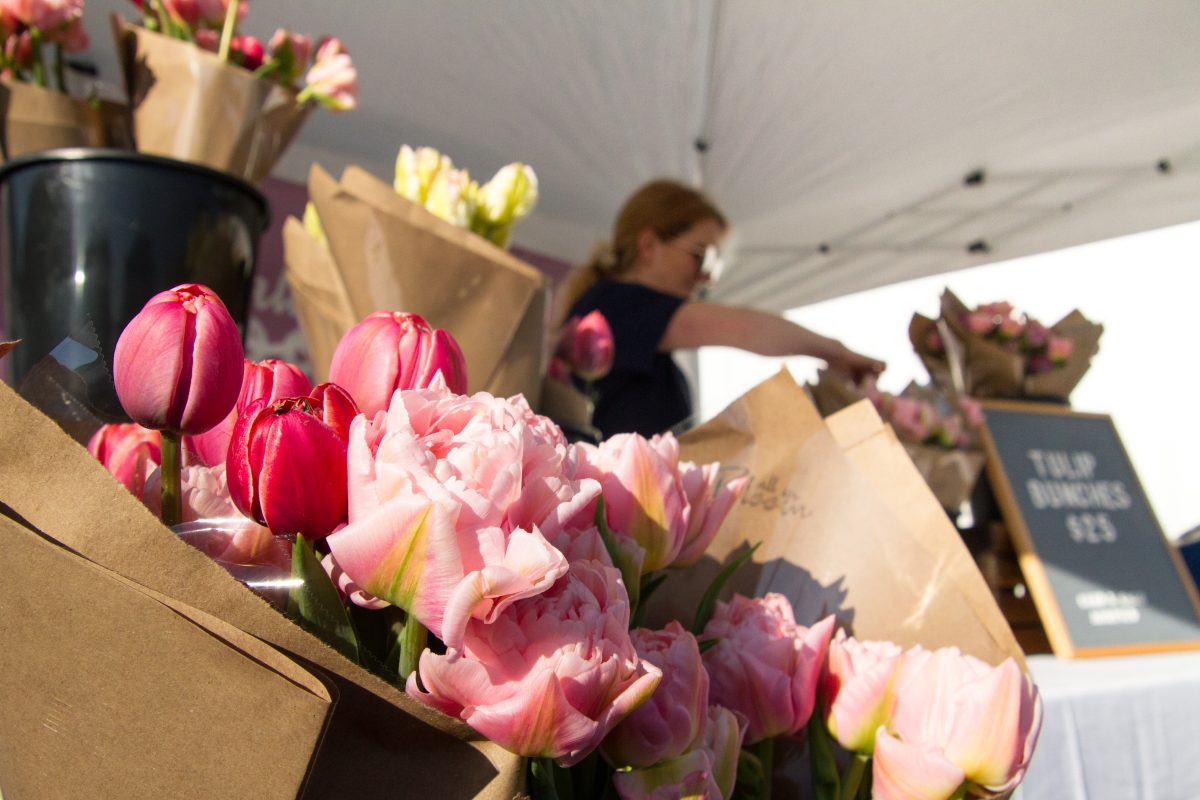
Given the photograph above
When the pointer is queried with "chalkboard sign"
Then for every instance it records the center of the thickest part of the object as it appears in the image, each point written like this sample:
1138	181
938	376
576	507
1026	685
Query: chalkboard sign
1102	574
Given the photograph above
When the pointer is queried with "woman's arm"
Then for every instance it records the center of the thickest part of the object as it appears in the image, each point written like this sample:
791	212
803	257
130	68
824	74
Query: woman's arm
700	324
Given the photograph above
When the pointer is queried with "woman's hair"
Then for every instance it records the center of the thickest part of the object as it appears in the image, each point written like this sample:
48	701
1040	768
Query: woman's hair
666	207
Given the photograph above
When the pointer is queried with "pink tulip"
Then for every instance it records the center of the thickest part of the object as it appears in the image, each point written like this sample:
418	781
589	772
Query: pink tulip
178	363
291	50
707	507
1010	328
1059	349
643	499
980	323
129	451
230	537
332	80
587	345
917	771
983	720
392	350
48	16
348	589
670	722
856	689
287	468
452	500
551	675
272	380
686	777
723	737
764	665
972	412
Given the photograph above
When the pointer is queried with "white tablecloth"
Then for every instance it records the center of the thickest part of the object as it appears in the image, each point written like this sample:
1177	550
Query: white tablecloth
1123	728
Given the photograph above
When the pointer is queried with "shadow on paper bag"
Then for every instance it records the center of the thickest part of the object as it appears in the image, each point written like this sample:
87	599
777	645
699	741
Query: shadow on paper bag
133	665
844	523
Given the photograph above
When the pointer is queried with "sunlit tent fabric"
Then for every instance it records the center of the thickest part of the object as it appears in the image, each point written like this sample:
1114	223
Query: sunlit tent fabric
853	144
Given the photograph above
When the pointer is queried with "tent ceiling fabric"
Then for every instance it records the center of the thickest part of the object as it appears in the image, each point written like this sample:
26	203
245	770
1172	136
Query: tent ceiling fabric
838	134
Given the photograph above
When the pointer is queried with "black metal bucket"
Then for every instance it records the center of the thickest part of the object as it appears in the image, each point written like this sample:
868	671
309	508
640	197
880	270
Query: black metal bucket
89	235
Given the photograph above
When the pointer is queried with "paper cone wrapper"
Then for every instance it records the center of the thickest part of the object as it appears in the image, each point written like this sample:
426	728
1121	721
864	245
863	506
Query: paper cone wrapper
1061	381
831	393
173	630
845	524
318	294
568	407
35	119
188	104
920	328
949	474
394	255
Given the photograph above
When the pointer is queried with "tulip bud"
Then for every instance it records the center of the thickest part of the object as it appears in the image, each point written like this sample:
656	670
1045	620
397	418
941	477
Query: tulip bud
587	345
178	363
129	451
392	350
287	468
332	80
855	688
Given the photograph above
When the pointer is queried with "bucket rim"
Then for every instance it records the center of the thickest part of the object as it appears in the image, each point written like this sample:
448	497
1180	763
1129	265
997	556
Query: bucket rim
114	154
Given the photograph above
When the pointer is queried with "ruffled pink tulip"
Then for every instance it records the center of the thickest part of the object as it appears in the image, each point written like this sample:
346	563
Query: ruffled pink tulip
643	499
178	363
48	16
392	350
670	722
707	507
586	344
903	771
856	688
271	380
764	665
228	536
723	737
129	451
332	80
291	51
686	777
551	675
452	502
953	710
287	468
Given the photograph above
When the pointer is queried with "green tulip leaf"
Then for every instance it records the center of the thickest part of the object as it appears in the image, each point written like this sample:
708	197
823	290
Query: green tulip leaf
709	601
314	602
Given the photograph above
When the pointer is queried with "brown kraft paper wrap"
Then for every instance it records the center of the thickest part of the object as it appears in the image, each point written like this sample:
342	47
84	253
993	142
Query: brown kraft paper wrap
188	104
844	523
394	255
35	119
376	738
318	294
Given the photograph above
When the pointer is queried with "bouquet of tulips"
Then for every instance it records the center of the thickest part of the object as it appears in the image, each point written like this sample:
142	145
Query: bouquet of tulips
243	99
994	351
37	111
940	432
457	545
583	354
430	242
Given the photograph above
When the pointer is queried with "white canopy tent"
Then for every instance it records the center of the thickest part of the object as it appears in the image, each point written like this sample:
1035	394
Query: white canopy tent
837	136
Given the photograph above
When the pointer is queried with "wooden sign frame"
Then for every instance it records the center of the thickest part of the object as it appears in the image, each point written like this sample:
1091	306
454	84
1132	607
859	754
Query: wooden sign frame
1025	543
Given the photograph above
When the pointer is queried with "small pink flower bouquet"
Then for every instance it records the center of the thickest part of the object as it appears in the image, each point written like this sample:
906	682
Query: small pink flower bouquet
242	100
939	432
994	351
37	111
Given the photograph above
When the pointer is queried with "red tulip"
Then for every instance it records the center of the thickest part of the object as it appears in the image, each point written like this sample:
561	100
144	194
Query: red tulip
178	363
392	350
287	468
271	379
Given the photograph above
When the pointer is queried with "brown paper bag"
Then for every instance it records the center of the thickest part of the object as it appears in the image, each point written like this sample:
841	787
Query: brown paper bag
377	739
845	525
35	119
188	104
319	295
111	690
393	254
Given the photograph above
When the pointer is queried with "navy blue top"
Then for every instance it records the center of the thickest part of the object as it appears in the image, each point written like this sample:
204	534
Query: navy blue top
645	392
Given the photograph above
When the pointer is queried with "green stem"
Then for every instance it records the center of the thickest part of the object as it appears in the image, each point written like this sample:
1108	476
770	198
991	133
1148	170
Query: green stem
853	775
166	24
765	751
172	496
412	643
39	68
60	68
227	31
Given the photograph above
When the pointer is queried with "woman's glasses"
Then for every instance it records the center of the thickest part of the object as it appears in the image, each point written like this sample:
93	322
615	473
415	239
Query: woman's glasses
709	260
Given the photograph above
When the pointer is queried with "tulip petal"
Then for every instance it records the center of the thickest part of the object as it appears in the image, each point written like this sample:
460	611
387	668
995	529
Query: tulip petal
985	732
905	771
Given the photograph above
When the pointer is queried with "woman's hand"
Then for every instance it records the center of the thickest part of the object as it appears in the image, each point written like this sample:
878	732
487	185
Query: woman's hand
855	365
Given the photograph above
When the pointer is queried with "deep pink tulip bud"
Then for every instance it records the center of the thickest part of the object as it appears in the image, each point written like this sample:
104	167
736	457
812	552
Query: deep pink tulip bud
764	665
271	380
129	451
178	363
248	51
587	346
673	719
287	468
392	350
